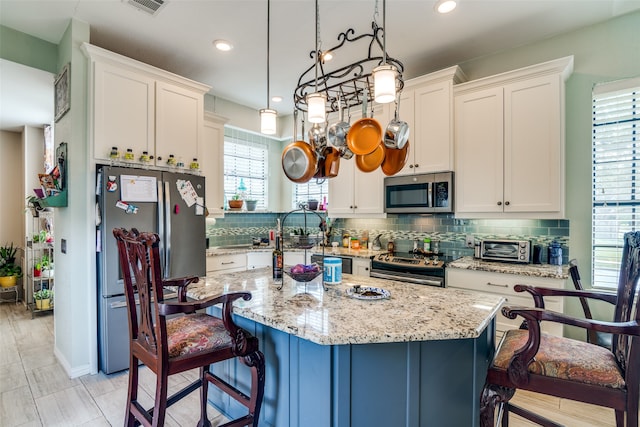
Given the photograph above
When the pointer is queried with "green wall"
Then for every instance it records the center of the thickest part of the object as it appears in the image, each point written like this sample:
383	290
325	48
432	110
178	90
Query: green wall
28	50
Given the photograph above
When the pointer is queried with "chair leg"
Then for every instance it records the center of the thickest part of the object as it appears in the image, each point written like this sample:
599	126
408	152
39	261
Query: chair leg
492	395
204	387
256	362
132	393
160	405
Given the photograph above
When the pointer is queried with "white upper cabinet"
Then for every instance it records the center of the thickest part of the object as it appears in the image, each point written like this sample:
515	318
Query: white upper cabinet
127	98
179	115
509	143
354	193
142	108
211	155
426	104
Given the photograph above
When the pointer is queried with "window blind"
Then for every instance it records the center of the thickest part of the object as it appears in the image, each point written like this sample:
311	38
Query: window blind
616	175
245	162
316	189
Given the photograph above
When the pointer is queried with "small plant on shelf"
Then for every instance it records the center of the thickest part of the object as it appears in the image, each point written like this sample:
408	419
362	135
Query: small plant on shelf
9	270
43	299
236	201
43	294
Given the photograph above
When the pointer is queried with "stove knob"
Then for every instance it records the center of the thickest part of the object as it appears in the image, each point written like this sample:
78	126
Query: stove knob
386	258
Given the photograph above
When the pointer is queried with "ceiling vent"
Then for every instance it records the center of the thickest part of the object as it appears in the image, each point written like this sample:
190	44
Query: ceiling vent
150	6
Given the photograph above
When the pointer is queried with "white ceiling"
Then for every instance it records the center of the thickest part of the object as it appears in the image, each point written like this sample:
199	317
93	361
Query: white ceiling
179	37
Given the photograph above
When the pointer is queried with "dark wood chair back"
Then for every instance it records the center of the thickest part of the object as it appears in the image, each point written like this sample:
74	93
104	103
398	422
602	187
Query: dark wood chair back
173	337
599	338
538	362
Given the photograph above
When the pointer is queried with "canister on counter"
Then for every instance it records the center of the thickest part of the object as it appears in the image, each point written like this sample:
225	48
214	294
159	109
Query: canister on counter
332	271
346	240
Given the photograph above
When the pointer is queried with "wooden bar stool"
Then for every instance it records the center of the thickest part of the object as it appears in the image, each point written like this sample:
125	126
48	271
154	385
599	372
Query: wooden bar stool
190	340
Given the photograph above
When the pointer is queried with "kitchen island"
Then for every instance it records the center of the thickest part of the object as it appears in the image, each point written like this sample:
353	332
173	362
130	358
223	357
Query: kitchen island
418	358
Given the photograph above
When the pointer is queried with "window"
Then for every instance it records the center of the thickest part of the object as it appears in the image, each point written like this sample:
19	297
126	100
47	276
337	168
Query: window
314	189
246	158
616	175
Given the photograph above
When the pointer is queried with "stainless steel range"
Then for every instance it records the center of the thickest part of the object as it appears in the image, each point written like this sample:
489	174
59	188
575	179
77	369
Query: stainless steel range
409	268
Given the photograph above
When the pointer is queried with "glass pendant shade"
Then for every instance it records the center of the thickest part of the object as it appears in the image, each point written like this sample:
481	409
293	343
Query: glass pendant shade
384	82
268	121
316	107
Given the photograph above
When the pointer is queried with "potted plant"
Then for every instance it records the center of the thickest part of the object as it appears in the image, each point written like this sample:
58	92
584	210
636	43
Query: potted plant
251	204
33	204
46	266
236	202
9	270
43	299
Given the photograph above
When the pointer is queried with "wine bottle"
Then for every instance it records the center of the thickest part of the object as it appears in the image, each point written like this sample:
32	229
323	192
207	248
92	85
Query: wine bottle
277	260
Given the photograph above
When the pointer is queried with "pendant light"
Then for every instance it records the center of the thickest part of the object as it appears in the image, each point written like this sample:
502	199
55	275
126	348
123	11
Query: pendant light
384	76
316	101
267	115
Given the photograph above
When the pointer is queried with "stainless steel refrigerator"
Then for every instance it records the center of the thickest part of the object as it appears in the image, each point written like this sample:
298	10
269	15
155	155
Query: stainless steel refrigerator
170	204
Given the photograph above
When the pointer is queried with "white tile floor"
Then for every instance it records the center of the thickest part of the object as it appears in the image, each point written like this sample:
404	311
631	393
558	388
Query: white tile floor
36	391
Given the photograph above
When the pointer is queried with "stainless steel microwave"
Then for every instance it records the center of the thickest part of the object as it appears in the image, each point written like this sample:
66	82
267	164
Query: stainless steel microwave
506	250
424	193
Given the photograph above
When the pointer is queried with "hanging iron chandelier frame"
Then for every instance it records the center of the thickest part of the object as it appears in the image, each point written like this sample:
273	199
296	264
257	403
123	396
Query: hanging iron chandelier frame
351	83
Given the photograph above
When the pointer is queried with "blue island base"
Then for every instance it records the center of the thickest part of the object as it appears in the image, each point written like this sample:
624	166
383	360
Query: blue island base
410	384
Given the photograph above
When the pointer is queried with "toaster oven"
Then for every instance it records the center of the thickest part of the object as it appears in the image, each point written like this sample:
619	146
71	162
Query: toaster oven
506	250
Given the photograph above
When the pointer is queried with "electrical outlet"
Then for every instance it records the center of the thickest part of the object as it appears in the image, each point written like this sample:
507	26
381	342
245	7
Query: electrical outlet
470	241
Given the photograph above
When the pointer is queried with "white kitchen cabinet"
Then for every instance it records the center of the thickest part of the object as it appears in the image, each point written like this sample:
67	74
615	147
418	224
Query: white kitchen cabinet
361	266
179	118
211	156
139	107
426	104
502	284
259	259
509	143
123	112
355	193
227	263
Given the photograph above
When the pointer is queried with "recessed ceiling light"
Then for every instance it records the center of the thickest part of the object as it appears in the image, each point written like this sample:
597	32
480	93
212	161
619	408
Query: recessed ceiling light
222	45
445	6
277	99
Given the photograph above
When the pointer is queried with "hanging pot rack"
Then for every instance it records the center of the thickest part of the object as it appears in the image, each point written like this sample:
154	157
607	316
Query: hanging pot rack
351	83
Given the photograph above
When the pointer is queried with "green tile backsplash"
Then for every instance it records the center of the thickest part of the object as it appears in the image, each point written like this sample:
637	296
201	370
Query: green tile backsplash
239	228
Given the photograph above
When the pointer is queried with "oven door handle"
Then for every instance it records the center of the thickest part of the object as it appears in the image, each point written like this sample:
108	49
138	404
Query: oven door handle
431	282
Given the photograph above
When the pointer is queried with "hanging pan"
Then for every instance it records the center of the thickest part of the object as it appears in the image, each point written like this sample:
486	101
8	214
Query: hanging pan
365	134
370	162
299	161
397	133
337	133
395	159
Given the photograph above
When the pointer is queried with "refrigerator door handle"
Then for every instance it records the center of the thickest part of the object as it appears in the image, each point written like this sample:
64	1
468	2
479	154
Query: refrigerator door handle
167	231
161	206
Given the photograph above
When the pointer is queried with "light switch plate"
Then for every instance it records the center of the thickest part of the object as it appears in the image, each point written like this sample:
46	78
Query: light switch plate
470	241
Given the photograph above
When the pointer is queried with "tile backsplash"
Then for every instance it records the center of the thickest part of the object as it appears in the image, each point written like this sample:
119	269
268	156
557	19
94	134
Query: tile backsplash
239	228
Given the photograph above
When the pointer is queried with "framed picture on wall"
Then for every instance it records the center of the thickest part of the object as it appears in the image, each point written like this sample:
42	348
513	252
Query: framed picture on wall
62	95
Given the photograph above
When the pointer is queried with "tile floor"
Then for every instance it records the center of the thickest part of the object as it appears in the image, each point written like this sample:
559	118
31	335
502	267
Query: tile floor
36	391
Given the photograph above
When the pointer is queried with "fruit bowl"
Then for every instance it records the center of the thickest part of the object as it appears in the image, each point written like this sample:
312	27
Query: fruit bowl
302	277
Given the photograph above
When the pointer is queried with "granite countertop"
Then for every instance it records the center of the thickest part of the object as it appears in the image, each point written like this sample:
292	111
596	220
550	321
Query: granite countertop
535	270
412	313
